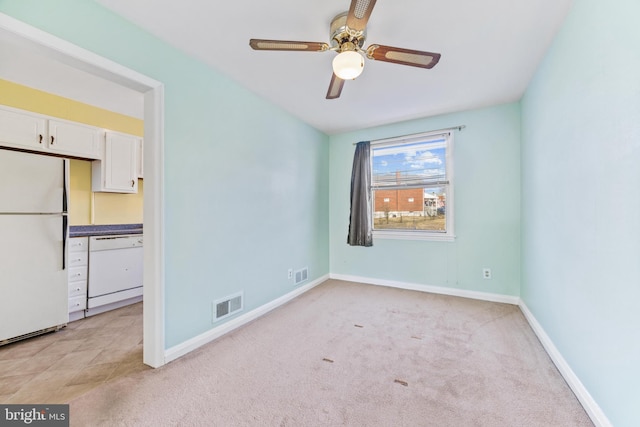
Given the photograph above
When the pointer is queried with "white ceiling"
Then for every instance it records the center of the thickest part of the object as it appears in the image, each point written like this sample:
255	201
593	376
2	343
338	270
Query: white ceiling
490	50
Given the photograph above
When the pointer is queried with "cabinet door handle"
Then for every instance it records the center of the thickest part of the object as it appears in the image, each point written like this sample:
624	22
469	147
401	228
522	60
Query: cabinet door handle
40	141
52	139
132	183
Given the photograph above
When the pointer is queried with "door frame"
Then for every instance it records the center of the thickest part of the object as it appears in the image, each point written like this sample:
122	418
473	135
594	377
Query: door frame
154	275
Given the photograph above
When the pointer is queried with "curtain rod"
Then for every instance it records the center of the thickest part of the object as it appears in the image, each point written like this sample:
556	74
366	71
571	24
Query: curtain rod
377	141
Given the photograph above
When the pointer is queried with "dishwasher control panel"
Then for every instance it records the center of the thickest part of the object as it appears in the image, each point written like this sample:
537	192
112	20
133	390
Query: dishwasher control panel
105	243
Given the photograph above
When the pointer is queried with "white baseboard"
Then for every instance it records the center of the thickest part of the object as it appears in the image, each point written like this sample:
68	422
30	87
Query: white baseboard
187	346
484	296
594	411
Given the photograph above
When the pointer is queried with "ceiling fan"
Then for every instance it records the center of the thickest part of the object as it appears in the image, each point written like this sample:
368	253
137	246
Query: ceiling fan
348	33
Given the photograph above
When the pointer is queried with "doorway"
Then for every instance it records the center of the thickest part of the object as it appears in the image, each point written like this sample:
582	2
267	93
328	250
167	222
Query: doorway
153	91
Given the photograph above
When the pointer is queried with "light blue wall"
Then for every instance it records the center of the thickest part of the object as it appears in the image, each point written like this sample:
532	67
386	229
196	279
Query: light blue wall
487	208
581	201
246	185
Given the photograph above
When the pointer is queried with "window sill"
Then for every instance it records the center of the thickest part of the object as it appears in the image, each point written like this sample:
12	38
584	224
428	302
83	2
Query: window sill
413	235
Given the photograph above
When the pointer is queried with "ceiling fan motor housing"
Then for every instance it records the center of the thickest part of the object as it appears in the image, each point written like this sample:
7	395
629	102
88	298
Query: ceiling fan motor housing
343	37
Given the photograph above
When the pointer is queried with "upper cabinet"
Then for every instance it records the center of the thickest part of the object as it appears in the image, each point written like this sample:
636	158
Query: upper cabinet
22	130
118	170
74	139
117	157
34	132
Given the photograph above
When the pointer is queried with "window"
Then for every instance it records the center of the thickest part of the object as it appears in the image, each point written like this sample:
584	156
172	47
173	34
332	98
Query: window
412	187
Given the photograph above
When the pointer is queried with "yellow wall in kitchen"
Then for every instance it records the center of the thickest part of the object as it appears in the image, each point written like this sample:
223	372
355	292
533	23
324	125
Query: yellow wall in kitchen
116	208
37	101
106	208
80	192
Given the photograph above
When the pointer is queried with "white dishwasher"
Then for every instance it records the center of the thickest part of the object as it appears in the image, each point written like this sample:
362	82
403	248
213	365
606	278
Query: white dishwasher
115	272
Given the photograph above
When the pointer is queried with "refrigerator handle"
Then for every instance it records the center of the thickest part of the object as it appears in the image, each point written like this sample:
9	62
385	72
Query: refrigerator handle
64	186
64	213
64	242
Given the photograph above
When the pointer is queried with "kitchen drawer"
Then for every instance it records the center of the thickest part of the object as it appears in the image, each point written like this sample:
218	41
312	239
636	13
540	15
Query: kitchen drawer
78	244
78	259
77	303
78	289
77	274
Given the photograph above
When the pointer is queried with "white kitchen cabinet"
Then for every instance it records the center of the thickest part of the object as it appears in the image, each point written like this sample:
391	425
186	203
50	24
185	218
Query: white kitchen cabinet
36	132
118	170
22	130
78	274
74	139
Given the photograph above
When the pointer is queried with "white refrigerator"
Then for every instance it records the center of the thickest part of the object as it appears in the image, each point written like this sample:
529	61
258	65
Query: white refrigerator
33	244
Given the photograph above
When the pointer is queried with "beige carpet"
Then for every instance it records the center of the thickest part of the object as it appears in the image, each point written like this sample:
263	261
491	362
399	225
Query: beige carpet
355	355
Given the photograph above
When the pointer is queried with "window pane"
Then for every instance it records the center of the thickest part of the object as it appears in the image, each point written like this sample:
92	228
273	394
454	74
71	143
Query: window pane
422	163
410	185
394	210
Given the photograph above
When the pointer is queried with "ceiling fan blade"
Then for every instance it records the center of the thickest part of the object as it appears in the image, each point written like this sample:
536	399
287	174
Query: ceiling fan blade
397	55
335	87
359	13
260	44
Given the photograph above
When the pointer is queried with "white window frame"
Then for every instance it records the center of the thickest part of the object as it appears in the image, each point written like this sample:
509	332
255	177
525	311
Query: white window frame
431	235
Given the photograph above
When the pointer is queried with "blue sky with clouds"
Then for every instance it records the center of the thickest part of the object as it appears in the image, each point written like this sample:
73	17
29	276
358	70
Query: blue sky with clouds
420	160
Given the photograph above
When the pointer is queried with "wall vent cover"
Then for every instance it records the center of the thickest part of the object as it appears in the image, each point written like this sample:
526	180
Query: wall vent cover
227	306
301	275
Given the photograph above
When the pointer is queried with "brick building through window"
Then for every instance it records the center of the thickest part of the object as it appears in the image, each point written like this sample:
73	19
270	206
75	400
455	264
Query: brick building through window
399	200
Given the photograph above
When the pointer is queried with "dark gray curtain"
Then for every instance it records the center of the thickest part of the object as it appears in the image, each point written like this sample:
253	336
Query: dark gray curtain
360	229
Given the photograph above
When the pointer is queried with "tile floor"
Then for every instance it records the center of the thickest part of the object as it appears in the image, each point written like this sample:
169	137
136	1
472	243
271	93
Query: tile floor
57	367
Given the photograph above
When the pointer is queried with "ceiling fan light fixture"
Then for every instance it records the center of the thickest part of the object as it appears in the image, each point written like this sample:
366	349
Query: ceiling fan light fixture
348	32
348	65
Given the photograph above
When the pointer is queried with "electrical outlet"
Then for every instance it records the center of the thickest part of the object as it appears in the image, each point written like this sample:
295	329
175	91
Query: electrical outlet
486	273
290	273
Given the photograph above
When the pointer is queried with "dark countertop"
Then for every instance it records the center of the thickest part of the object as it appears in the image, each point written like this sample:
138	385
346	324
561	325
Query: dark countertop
104	230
